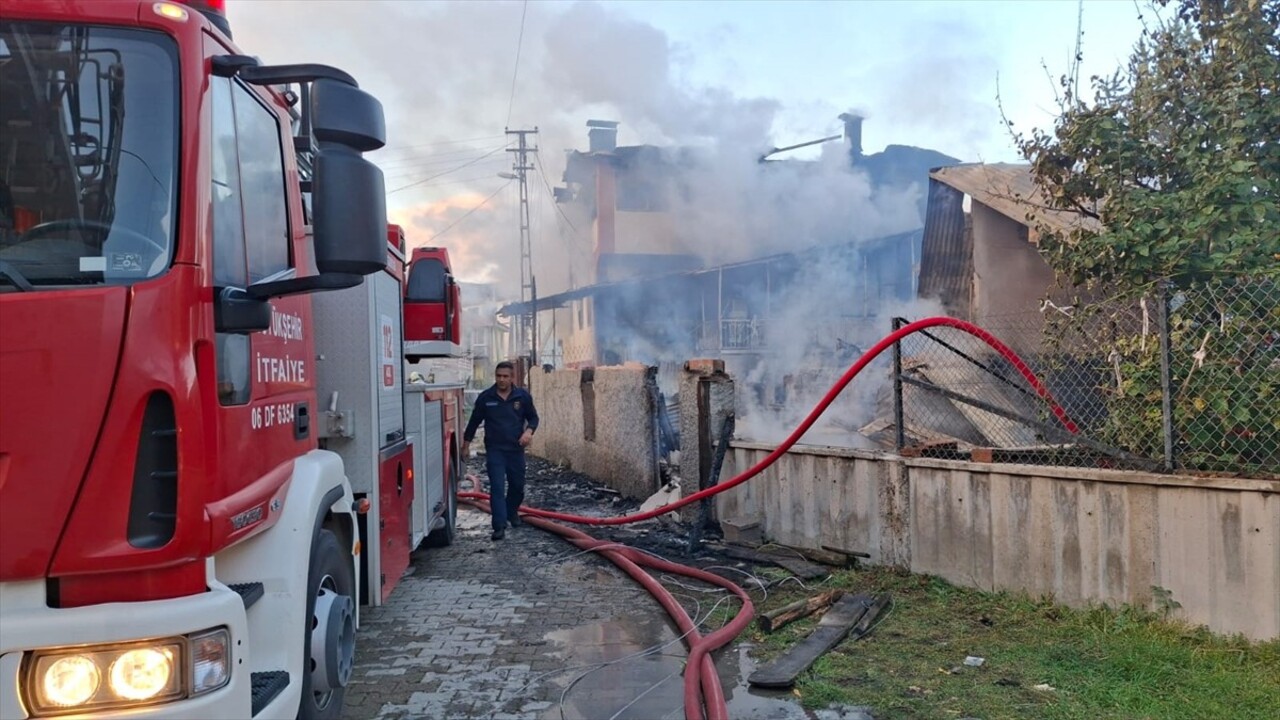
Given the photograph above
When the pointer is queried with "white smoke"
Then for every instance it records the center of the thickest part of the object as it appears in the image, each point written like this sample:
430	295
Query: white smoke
811	357
444	72
741	209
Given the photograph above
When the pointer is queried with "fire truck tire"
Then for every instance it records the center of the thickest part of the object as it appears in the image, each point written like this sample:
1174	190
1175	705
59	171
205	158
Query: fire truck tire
330	633
443	537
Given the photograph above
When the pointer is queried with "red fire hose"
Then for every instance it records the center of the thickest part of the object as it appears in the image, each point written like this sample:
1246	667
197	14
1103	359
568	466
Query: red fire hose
813	416
703	687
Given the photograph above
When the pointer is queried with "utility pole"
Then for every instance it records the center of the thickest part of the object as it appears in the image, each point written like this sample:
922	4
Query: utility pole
527	327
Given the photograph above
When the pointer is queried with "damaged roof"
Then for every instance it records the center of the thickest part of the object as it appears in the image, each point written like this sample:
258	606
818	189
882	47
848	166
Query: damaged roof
1010	190
817	254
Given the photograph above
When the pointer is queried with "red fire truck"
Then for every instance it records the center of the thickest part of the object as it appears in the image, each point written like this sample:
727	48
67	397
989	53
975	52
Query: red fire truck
206	455
398	440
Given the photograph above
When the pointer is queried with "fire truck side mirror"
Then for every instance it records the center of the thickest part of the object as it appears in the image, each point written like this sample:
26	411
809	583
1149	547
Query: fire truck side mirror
349	213
345	114
348	191
237	312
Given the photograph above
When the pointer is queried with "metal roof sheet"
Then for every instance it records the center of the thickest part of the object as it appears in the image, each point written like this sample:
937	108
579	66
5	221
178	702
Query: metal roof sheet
1010	190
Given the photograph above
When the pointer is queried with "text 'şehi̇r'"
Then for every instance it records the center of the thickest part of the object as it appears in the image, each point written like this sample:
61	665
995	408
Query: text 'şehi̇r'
286	326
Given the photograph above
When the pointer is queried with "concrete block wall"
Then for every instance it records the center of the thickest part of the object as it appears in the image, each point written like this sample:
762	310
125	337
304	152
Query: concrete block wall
600	422
1082	536
706	398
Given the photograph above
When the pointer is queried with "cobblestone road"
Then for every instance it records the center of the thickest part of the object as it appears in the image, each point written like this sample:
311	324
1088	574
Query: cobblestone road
464	635
486	629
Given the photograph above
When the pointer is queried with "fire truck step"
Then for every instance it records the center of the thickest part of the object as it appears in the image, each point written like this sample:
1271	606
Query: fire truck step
250	592
266	686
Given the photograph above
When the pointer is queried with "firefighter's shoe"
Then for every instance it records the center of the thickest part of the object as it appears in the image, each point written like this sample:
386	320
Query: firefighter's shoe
499	534
515	521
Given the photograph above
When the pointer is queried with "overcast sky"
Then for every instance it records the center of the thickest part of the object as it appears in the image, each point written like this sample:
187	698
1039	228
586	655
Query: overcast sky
749	74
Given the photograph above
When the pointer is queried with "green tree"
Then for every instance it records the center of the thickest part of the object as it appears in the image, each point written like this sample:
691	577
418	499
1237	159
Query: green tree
1177	157
1175	163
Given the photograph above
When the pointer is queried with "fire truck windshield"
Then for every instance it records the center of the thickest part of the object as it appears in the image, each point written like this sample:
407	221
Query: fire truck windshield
88	155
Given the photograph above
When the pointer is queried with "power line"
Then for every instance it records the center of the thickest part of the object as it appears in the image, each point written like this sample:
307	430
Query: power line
419	168
542	172
429	160
442	152
551	196
473	178
397	148
484	202
516	70
446	172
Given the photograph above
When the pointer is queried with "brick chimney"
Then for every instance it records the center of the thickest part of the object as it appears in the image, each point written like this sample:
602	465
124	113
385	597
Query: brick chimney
853	135
602	136
606	212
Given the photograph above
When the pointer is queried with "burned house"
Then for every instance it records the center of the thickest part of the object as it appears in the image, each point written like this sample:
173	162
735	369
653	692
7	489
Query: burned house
734	309
655	288
981	257
981	260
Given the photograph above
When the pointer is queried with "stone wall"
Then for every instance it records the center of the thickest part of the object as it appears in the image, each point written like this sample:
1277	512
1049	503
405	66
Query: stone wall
706	398
600	422
1082	536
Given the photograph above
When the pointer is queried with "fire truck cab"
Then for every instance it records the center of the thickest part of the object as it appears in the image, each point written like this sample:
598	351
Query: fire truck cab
432	306
187	516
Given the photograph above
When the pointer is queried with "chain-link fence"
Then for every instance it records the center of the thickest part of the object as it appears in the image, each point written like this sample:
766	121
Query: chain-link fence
1175	378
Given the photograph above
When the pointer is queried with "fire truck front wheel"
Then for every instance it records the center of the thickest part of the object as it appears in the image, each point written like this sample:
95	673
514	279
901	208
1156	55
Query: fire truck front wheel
330	634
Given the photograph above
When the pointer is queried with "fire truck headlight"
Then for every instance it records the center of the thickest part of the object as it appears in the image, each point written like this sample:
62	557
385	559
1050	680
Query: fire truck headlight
77	680
143	673
210	661
68	681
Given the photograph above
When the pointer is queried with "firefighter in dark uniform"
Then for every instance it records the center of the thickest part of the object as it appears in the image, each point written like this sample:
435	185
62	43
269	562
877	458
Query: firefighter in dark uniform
509	423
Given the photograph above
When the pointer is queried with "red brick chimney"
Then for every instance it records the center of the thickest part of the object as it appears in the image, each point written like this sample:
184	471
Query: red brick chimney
603	140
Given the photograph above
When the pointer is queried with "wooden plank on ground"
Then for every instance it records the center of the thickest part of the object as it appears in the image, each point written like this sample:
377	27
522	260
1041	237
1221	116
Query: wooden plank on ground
832	628
821	556
802	569
776	618
880	431
847	553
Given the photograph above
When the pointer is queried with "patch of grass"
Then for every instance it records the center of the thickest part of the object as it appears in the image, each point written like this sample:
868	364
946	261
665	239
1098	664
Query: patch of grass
1099	662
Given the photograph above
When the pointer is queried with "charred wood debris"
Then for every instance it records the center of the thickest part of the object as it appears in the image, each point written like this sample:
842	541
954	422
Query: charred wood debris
738	555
